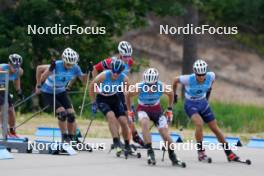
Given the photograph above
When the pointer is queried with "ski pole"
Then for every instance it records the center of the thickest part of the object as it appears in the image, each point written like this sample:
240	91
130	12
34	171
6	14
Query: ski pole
25	100
89	126
85	105
86	87
31	117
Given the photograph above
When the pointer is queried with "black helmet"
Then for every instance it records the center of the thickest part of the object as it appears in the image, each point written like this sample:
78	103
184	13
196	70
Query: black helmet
117	66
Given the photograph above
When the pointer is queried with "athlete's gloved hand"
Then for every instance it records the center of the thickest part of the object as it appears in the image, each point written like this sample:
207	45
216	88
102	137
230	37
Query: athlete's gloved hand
37	89
175	100
68	88
20	94
52	65
131	116
133	108
90	67
94	107
169	114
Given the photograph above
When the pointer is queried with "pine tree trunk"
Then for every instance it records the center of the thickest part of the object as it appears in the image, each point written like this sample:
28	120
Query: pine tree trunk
189	40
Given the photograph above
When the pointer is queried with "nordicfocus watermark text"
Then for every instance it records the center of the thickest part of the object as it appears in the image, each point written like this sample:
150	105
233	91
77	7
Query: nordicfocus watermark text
190	145
123	87
58	29
60	146
203	29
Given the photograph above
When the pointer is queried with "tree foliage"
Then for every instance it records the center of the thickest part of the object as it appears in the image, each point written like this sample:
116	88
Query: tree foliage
118	16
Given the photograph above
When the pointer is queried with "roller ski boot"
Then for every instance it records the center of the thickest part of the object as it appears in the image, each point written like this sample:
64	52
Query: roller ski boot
127	151
151	157
202	157
137	139
65	138
75	143
176	161
12	133
232	157
118	149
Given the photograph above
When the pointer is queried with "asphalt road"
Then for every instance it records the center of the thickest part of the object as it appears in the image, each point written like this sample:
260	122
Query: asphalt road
103	163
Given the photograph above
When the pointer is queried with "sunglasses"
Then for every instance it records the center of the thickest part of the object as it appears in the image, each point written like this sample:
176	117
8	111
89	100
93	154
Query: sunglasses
200	75
118	73
125	57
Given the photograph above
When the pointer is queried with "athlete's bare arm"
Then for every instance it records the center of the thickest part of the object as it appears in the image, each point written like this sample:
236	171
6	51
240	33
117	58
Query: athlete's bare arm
39	71
175	82
169	93
97	80
17	82
94	72
45	75
134	91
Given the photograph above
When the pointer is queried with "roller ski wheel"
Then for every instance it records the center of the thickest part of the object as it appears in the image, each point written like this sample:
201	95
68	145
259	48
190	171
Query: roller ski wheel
179	163
126	153
88	147
26	139
118	152
206	159
202	157
151	162
133	151
176	161
248	162
138	155
151	158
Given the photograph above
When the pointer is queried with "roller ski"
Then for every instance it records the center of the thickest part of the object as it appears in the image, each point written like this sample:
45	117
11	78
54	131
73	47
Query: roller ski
234	158
202	157
176	161
83	146
151	157
127	151
117	149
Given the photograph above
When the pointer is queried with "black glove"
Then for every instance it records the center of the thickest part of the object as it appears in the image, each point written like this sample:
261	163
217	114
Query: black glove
20	94
94	107
52	65
175	100
90	67
90	70
68	89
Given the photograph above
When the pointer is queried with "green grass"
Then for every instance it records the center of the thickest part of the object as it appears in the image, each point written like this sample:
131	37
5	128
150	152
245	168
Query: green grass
239	118
230	116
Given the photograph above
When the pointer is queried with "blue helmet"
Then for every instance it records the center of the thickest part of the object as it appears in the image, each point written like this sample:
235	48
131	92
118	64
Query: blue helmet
117	66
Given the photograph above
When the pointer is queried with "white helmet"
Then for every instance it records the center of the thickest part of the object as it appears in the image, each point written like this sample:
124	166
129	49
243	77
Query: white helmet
151	76
15	59
200	67
125	48
70	56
